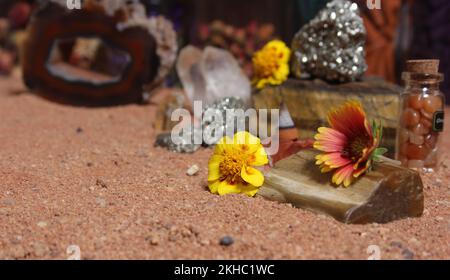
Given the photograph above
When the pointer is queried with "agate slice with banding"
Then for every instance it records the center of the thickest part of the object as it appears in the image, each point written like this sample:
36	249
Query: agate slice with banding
100	54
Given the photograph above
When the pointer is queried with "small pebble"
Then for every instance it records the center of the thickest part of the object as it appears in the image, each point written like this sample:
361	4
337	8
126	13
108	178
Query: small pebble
79	130
42	224
18	252
407	254
142	153
170	189
193	170
414	241
101	202
204	242
16	239
154	240
40	249
101	183
226	241
8	202
396	244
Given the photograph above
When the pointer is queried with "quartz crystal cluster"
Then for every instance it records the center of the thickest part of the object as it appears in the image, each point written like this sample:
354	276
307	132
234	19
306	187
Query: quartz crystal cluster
211	75
331	46
186	139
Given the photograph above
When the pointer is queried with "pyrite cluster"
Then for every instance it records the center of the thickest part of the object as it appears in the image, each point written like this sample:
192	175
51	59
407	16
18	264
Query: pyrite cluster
214	125
331	46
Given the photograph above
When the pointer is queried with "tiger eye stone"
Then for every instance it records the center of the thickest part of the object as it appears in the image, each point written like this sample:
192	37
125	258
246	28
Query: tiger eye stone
432	103
415	101
389	192
418	152
410	117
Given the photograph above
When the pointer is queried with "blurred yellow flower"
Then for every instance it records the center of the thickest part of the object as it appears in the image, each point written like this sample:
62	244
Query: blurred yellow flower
231	167
271	64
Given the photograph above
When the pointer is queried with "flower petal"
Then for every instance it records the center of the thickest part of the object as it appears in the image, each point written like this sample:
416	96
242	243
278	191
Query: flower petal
358	171
349	119
223	144
248	189
214	167
252	176
244	137
325	168
282	73
214	186
333	160
213	170
343	175
260	157
329	140
225	188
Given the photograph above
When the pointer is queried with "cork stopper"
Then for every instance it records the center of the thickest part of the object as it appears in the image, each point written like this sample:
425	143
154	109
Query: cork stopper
425	66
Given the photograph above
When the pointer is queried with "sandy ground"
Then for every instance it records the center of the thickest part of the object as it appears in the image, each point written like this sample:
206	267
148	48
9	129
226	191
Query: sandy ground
92	178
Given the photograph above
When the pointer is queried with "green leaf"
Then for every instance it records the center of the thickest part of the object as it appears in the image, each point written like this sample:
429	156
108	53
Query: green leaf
377	130
378	153
374	127
381	151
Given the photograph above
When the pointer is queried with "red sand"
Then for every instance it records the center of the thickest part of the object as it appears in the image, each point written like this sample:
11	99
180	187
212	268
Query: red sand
108	191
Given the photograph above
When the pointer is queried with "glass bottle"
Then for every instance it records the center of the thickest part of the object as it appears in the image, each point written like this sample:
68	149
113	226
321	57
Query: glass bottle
421	116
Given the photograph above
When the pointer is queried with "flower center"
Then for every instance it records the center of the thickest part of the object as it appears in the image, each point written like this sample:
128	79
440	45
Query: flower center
230	168
354	150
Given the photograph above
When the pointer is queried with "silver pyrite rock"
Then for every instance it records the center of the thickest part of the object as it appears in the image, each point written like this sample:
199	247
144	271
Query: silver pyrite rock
331	46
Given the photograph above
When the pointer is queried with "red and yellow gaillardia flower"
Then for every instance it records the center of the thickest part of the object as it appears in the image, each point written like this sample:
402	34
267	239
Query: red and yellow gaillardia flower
349	145
231	167
271	64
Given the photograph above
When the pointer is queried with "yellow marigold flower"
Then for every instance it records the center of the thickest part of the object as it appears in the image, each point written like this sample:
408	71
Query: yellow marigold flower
271	64
231	167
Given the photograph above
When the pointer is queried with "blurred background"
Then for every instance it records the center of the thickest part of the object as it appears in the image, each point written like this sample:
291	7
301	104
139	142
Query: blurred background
399	31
